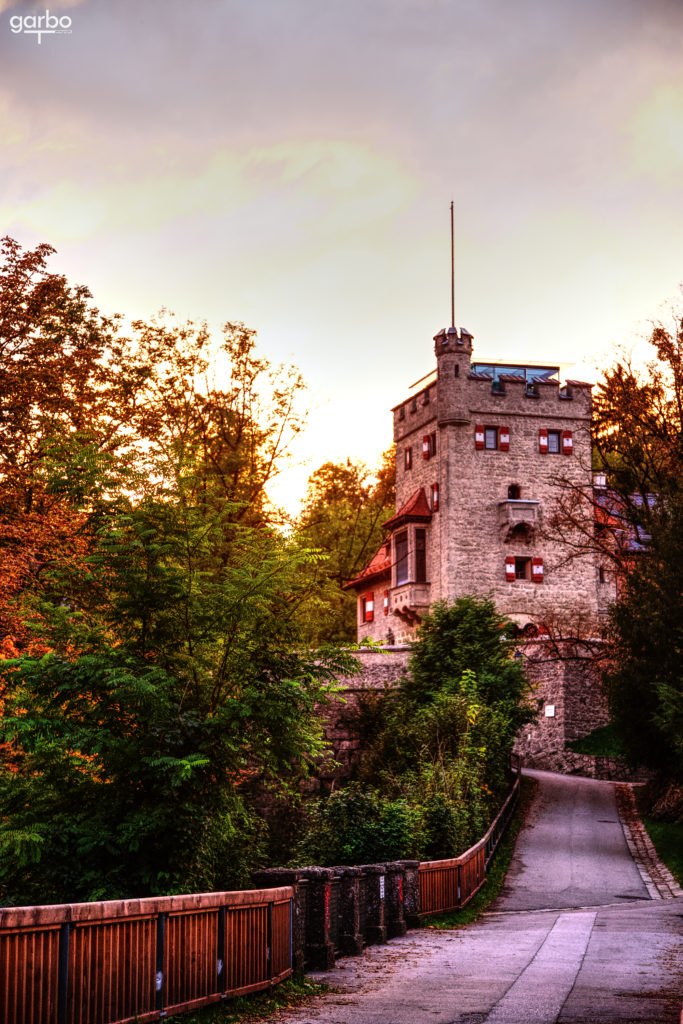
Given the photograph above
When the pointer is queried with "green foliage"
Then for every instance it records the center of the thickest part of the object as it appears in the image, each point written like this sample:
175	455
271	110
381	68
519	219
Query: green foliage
601	742
638	432
646	685
154	670
342	520
355	825
438	745
497	870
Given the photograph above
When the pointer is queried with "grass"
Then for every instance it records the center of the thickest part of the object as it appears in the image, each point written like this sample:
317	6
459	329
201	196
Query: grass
666	836
602	742
493	885
259	1007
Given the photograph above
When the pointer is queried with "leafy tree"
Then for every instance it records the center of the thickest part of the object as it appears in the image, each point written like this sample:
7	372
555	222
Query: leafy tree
437	747
342	518
153	665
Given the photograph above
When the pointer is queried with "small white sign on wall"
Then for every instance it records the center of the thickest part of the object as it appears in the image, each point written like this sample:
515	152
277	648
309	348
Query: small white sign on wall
550	711
381	887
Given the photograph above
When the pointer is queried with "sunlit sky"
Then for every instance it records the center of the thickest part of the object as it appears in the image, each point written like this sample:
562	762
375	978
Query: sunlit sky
290	164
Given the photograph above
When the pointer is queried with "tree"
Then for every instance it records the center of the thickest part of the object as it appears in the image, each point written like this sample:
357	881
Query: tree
436	749
634	525
155	664
342	518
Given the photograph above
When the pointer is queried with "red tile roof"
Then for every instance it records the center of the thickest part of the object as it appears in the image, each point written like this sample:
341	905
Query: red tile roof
379	565
416	507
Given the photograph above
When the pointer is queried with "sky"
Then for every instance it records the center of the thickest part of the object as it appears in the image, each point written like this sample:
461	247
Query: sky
291	163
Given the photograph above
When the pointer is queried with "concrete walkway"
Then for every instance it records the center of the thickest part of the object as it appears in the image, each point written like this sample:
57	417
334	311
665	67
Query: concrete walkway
581	934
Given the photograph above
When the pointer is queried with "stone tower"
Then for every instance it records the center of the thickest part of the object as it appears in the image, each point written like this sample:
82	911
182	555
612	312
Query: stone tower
481	452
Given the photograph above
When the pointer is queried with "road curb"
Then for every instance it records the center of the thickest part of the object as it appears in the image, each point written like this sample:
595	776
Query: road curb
658	880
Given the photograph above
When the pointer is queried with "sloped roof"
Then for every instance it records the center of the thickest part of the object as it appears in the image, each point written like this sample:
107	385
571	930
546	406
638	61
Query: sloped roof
416	508
378	566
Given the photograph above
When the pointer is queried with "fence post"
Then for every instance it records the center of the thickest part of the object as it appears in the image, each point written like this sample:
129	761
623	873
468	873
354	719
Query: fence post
160	980
274	878
220	948
350	937
319	948
375	898
63	973
411	892
394	913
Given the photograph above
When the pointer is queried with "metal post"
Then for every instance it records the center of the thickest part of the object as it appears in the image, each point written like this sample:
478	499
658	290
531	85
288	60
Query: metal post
269	939
63	973
159	983
220	949
291	933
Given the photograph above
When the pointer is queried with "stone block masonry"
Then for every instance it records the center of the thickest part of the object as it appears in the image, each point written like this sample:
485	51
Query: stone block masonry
482	453
567	695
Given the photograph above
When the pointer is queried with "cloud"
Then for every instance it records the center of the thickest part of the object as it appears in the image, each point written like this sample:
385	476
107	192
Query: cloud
34	5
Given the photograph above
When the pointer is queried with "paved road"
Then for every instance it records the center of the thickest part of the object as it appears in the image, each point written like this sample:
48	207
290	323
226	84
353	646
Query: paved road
575	938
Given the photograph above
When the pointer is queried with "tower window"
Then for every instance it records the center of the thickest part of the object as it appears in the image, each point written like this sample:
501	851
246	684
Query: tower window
401	558
491	438
456	370
408	458
420	556
522	568
553	442
514	492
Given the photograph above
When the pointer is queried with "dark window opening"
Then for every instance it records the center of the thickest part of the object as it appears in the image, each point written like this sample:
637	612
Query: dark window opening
408	458
402	412
401	558
514	492
425	397
432	444
553	442
603	576
522	568
413	404
491	437
456	370
420	556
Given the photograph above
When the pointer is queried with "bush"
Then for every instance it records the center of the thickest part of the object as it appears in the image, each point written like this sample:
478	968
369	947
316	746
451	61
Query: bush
436	749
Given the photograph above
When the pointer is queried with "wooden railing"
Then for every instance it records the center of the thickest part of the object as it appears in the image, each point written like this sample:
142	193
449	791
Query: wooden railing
137	960
450	884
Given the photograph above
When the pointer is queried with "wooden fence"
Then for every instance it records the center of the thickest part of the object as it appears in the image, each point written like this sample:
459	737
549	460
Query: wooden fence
137	960
450	884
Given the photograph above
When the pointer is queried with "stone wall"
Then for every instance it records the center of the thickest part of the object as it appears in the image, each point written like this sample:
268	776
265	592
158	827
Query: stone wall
567	694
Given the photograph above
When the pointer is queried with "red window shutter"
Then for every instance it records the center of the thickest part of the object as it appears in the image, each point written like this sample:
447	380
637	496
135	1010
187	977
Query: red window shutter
386	602
435	497
479	437
567	442
426	447
543	440
504	439
510	568
537	570
369	607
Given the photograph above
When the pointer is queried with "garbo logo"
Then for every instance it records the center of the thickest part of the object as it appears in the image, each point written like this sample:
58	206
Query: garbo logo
40	24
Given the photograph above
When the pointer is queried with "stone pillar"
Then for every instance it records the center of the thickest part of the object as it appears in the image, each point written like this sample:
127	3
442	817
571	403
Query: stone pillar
374	876
395	918
319	949
273	878
411	892
351	941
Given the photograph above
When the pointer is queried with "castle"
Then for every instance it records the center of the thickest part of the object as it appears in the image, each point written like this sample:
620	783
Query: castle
481	452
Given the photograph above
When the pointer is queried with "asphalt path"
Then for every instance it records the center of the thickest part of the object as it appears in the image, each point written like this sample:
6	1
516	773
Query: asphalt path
575	937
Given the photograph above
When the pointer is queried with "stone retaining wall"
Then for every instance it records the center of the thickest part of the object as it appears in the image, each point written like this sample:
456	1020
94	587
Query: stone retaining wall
567	694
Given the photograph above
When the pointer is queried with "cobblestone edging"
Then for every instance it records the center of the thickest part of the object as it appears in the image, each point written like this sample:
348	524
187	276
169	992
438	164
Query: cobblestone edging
659	882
